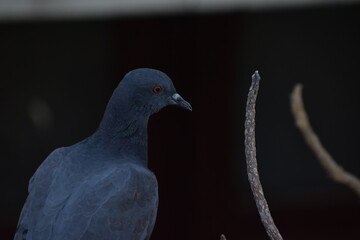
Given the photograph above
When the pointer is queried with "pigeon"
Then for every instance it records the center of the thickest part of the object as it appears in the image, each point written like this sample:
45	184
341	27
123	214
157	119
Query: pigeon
101	187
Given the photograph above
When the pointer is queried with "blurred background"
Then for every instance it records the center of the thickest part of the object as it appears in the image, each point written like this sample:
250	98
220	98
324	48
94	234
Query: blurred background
61	60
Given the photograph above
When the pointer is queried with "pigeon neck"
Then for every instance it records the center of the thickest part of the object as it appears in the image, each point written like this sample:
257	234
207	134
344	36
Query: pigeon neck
123	131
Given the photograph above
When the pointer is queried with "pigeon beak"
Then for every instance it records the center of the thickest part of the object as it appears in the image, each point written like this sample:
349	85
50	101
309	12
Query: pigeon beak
177	100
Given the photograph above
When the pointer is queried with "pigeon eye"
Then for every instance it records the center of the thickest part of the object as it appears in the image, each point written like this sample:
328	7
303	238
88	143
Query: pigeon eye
157	89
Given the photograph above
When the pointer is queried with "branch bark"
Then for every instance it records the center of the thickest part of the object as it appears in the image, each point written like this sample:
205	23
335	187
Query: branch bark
252	171
336	172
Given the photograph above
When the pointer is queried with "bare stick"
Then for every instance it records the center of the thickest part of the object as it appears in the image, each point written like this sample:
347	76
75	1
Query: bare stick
252	171
336	172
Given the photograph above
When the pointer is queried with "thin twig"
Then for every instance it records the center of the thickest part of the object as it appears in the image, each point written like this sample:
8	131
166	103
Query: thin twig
250	152
336	172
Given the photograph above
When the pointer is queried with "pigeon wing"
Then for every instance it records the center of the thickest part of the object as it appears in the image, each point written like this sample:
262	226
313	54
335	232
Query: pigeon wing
119	204
38	188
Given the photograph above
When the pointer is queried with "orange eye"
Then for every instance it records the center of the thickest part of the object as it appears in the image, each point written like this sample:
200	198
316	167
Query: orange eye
157	89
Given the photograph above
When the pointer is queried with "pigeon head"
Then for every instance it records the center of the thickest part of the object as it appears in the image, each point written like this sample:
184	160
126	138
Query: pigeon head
140	93
149	91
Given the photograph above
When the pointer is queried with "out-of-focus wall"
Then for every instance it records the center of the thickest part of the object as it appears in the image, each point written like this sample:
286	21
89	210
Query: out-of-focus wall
48	9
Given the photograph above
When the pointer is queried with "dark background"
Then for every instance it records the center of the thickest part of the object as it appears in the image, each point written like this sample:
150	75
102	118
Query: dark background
56	78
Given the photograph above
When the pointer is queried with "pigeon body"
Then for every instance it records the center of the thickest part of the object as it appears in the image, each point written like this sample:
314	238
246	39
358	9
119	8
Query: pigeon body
101	188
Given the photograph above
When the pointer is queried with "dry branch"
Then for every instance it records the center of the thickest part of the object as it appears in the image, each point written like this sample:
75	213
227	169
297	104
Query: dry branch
250	152
336	172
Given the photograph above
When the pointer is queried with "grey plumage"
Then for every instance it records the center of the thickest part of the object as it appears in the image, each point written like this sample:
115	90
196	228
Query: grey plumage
101	188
